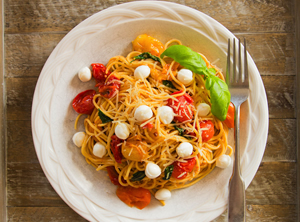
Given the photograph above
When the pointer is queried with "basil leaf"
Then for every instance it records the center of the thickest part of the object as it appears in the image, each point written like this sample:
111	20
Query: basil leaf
138	176
188	137
168	172
103	117
219	93
169	84
180	130
219	96
146	55
187	58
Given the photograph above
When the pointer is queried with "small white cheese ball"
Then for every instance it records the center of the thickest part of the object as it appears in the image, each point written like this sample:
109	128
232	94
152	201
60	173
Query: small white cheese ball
85	74
163	194
142	72
203	109
185	76
122	131
223	161
78	138
143	113
185	149
166	114
99	150
152	170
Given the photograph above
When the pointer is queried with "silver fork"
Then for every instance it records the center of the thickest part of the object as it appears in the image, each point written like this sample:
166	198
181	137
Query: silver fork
238	83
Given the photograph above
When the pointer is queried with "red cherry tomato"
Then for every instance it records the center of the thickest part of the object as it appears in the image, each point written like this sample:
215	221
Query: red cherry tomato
116	148
181	169
210	130
183	108
110	87
99	72
229	121
83	102
149	126
137	197
113	175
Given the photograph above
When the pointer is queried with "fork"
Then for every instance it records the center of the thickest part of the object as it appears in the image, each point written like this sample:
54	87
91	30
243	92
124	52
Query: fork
238	83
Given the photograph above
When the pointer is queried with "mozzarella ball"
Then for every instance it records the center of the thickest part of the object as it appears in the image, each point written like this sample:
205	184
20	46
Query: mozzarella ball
185	76
163	194
152	170
122	131
78	138
85	74
99	150
166	114
143	113
142	72
223	161
203	109
185	149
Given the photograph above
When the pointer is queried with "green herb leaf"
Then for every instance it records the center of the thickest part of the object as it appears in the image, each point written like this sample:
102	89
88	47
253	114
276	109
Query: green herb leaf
146	55
180	130
187	58
219	93
188	137
169	84
168	172
138	176
219	96
103	117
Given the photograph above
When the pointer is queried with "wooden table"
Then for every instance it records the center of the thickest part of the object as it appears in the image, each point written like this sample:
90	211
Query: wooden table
33	28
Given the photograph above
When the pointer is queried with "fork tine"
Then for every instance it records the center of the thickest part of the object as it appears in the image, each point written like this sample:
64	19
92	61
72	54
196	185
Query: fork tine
228	64
245	63
239	77
233	75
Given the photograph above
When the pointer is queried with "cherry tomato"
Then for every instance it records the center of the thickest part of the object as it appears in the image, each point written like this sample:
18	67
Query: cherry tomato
135	149
149	126
134	197
183	108
181	169
83	102
110	87
116	148
209	133
113	175
99	72
146	43
229	121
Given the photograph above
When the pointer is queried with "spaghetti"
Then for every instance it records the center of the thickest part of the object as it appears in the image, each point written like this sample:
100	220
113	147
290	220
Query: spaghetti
153	141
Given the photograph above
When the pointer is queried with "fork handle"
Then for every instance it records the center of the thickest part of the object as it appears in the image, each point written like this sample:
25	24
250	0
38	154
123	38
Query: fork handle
236	204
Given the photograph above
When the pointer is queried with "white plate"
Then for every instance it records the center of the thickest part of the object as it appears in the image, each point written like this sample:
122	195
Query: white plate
104	35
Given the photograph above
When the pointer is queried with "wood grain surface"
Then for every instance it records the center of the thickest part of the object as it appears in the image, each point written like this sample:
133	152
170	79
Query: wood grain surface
34	27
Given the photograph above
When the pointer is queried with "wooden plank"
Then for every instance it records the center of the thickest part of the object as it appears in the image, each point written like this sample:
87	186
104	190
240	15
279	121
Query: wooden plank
20	148
262	213
266	213
28	186
274	183
2	122
19	97
27	53
273	54
280	94
42	214
297	44
280	144
248	16
281	141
